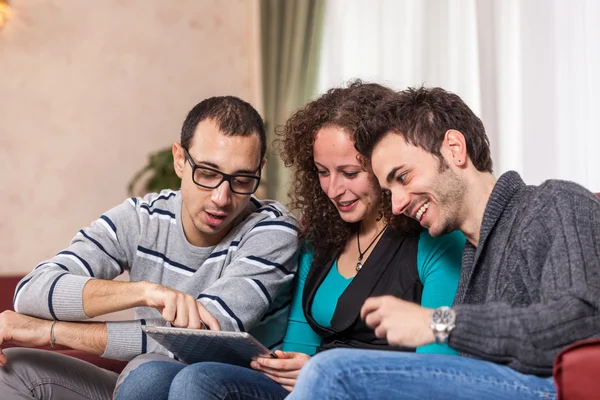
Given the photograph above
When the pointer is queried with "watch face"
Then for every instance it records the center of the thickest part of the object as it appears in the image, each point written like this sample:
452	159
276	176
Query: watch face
443	316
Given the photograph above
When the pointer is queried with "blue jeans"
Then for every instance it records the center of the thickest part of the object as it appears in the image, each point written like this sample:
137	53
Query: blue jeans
151	380
169	380
364	374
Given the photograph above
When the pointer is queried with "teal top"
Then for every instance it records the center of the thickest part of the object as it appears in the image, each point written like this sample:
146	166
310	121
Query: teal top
438	265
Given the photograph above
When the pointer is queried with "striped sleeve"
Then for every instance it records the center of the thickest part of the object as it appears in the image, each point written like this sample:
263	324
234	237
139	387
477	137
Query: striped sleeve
262	269
53	290
126	339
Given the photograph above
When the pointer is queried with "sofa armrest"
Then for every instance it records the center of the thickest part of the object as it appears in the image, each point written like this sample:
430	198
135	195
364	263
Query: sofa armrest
7	290
577	369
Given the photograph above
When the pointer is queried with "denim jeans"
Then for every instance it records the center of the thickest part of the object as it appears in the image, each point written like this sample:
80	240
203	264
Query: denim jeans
156	380
151	380
368	374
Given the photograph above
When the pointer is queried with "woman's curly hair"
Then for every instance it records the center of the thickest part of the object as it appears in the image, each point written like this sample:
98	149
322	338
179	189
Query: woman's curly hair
346	108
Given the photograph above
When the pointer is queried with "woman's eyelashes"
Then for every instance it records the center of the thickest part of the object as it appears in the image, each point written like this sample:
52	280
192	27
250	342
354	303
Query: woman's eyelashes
350	175
346	174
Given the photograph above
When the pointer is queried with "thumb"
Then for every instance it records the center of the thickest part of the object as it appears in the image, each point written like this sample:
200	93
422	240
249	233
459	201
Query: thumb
3	359
283	354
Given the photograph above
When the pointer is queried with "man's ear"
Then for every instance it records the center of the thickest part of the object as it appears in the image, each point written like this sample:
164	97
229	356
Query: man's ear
455	147
262	163
178	159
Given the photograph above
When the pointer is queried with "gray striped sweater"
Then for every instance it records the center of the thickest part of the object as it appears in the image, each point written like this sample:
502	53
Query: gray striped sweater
244	281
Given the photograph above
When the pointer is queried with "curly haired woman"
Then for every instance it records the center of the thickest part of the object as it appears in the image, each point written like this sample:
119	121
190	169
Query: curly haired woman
355	248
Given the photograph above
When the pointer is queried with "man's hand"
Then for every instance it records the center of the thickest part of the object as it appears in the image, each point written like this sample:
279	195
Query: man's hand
23	331
400	322
283	370
180	309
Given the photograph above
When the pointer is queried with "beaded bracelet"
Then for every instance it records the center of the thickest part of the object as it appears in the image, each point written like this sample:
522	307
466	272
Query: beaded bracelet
52	337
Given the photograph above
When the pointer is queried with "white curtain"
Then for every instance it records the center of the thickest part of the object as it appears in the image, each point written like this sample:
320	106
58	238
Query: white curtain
530	69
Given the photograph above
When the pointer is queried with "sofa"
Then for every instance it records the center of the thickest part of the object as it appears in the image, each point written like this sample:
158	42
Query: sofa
7	290
576	371
576	368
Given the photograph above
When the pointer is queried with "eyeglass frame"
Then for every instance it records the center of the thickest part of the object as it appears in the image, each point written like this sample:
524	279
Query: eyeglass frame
225	177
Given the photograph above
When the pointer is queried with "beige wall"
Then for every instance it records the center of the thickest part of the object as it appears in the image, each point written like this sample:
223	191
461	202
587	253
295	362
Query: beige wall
88	89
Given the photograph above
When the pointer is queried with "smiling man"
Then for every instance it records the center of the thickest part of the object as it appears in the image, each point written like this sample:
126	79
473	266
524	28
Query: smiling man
530	279
209	254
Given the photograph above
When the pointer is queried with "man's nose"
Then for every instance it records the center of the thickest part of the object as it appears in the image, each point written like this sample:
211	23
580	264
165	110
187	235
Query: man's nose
400	202
221	195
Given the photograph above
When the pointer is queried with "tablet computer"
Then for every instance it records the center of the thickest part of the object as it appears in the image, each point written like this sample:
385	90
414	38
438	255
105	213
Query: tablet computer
199	345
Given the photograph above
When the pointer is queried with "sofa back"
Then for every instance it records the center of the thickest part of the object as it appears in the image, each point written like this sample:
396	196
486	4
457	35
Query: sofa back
7	291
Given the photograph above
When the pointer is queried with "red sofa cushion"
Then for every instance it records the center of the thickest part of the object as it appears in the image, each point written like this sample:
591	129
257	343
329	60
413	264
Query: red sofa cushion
577	371
7	291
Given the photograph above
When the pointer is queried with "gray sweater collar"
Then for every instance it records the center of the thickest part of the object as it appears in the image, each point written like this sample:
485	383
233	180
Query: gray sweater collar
507	185
503	194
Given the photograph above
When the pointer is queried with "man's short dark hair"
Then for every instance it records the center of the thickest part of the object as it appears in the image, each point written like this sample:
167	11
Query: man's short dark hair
233	116
423	116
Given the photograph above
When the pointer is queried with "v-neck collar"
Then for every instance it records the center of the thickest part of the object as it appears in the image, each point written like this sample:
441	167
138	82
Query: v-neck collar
506	187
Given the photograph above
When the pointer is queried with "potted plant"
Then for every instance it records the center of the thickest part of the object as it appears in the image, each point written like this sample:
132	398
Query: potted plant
156	175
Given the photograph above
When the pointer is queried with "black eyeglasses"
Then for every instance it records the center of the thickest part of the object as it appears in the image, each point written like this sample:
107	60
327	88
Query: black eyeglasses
211	178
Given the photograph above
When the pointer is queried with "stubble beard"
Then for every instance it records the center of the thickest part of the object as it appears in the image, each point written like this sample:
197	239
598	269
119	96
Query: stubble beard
451	190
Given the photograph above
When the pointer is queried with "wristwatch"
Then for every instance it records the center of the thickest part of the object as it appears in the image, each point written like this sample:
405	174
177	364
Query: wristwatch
441	323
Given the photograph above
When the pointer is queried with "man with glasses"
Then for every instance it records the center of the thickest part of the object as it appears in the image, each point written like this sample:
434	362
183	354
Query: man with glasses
208	255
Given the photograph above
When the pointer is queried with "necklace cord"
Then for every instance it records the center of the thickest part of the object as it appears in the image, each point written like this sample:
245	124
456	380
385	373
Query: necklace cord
362	253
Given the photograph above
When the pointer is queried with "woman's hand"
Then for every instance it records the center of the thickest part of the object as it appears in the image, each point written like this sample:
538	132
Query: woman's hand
284	369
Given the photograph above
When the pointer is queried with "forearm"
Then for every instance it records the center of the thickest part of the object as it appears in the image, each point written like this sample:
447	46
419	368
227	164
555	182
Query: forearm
90	337
525	338
101	297
28	331
53	290
122	340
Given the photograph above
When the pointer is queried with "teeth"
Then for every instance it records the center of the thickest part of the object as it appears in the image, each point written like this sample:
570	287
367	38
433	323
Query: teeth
421	211
346	203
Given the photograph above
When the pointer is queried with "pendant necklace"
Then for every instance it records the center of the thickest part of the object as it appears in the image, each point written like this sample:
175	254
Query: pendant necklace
359	264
